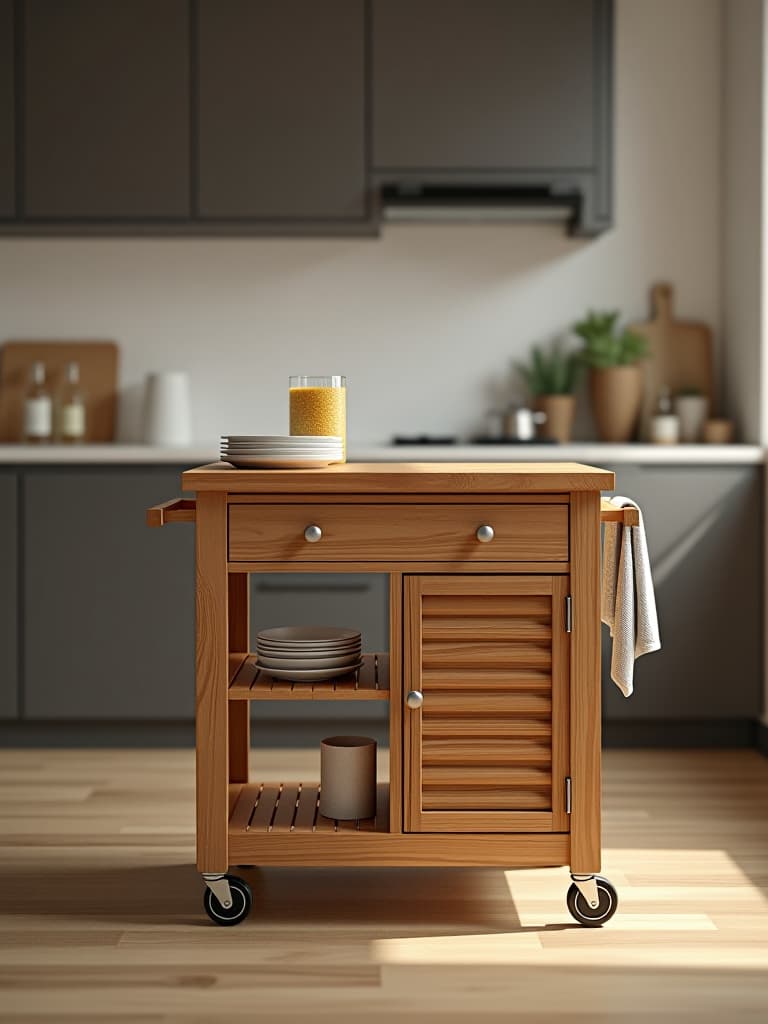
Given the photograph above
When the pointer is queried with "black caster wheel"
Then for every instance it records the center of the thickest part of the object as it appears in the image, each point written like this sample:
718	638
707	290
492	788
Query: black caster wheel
593	917
242	902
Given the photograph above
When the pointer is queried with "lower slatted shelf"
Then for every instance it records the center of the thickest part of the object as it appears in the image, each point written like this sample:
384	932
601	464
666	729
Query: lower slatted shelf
284	808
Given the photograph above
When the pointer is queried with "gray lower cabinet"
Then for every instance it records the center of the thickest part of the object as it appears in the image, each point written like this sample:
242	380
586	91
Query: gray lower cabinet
108	603
281	99
7	111
106	109
705	535
9	667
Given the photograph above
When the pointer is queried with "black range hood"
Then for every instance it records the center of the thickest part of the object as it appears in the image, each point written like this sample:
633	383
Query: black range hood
420	203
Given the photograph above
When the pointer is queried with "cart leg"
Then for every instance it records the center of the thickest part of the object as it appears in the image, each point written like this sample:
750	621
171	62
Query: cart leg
238	629
211	674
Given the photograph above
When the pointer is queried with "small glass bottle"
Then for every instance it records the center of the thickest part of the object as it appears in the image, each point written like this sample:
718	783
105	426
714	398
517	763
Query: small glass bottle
37	426
665	425
71	418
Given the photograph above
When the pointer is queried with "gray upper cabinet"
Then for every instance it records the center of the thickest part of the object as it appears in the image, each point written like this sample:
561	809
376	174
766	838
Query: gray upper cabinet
107	99
487	85
281	109
9	583
108	603
7	111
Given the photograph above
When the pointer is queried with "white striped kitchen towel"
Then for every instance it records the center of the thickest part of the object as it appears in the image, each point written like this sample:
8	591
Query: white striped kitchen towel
627	600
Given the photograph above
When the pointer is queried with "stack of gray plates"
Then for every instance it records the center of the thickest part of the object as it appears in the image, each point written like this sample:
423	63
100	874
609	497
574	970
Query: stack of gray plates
280	451
308	653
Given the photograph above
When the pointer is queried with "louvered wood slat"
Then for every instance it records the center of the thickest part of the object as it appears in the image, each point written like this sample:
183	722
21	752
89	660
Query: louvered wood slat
472	679
469	752
486	655
534	705
464	776
480	728
486	799
520	628
482	605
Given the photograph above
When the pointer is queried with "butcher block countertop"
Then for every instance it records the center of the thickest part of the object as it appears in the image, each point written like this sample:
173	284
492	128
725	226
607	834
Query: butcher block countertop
403	478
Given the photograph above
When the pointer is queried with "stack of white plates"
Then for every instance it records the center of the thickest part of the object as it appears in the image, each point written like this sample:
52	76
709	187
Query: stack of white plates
280	451
308	653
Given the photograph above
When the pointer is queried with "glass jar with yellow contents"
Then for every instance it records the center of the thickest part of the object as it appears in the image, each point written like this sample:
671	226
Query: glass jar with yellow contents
318	405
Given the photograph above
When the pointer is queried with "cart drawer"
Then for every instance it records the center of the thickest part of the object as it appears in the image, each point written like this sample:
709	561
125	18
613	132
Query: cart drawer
351	533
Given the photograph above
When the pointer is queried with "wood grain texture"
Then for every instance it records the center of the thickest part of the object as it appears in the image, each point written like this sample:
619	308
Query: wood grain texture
585	684
211	670
102	919
373	533
396	705
450	567
370	682
463	797
403	478
610	513
238	632
176	510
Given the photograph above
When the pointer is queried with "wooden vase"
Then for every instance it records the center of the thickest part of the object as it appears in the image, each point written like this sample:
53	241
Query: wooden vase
559	410
617	395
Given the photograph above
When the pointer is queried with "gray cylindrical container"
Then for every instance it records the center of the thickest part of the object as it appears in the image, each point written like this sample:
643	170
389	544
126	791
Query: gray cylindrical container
348	777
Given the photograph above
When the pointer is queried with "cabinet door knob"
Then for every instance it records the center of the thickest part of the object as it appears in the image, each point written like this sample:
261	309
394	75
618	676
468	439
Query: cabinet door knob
414	699
313	533
484	533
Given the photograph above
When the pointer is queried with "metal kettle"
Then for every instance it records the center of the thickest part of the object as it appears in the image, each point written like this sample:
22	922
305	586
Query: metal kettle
520	423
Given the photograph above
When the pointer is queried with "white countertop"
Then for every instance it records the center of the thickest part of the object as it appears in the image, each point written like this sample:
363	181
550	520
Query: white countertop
591	453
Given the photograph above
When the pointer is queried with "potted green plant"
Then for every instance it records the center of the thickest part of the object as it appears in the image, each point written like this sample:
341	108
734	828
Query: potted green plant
551	380
615	374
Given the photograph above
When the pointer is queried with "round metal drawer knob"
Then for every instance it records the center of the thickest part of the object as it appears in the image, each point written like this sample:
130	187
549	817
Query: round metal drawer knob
414	699
484	533
313	533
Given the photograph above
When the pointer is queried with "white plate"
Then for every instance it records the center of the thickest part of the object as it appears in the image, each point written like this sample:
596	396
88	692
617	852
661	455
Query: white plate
319	443
347	661
310	675
273	453
310	635
295	463
280	438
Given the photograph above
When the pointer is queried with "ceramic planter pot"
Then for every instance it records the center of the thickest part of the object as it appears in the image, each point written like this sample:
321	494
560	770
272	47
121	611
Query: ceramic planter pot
617	394
559	410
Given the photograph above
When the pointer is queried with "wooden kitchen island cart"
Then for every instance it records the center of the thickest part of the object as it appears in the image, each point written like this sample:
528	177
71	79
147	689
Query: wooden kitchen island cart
492	677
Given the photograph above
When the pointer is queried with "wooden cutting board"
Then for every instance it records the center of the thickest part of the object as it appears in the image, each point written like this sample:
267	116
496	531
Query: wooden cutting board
680	354
98	378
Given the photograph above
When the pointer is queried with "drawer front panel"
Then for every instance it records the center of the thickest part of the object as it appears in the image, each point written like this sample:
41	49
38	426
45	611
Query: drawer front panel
272	533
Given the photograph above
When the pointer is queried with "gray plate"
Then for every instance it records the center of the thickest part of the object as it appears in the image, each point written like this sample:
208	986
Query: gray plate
309	675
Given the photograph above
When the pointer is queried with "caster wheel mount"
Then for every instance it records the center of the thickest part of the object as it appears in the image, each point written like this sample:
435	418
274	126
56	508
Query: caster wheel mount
240	896
593	917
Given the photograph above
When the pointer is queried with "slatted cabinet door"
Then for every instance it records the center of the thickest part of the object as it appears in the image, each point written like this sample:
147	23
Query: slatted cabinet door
488	749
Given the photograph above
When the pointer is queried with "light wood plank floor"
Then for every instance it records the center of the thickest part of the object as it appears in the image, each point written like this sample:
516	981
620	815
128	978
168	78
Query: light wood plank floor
101	909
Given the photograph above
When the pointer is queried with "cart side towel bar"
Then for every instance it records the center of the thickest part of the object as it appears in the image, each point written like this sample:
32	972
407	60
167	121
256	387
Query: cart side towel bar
627	602
177	510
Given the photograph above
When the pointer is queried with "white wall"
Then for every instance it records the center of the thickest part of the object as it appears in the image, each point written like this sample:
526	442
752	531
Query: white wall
426	320
743	169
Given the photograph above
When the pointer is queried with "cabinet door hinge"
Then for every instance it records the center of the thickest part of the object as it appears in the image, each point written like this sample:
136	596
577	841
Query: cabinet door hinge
568	794
569	614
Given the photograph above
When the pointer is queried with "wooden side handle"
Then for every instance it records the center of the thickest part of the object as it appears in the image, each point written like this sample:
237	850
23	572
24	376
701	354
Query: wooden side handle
610	513
177	510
